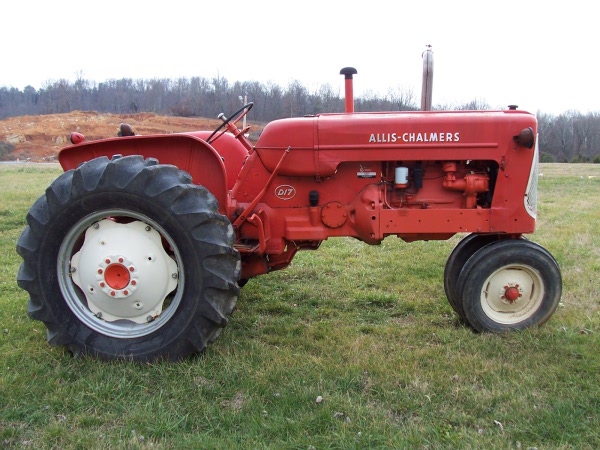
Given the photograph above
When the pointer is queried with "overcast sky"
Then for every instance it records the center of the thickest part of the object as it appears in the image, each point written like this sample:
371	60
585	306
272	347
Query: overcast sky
540	55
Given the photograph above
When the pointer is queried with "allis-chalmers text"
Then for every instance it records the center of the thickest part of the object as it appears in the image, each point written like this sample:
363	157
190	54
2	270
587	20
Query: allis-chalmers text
414	137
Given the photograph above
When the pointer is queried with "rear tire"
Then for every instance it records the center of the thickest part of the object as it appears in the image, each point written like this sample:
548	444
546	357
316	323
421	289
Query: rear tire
509	285
99	283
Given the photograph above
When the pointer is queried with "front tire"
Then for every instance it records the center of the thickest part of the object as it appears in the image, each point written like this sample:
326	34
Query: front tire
455	263
127	259
509	285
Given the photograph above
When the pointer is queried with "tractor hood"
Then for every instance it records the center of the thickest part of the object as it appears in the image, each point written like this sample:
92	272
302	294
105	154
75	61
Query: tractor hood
318	144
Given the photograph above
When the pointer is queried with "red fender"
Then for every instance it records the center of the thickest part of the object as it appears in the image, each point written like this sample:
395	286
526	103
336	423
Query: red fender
186	151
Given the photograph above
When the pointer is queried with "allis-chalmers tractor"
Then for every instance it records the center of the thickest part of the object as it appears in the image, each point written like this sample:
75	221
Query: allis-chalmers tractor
139	249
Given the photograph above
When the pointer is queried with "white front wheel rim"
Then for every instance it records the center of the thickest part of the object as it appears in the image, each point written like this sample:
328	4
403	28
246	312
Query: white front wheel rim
512	294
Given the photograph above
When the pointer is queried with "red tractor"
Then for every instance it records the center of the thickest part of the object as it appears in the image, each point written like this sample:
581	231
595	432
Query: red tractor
139	249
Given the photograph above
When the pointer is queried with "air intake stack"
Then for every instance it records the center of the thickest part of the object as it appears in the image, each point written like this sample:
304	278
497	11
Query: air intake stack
348	72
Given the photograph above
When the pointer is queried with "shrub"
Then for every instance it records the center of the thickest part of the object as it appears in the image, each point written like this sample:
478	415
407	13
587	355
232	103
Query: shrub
580	159
547	157
6	148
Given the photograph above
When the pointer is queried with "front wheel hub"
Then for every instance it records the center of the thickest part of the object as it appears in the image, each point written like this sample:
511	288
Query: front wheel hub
124	271
511	293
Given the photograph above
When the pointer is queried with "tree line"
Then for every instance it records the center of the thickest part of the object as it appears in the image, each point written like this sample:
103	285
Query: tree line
567	137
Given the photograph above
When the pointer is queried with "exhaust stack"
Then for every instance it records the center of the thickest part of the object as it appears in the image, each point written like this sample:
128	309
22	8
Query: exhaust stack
427	88
348	72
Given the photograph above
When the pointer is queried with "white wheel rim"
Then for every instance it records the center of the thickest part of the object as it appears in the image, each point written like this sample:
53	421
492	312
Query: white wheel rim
153	286
124	271
512	294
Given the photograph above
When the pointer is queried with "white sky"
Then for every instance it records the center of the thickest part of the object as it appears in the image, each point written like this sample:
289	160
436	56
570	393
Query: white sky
539	55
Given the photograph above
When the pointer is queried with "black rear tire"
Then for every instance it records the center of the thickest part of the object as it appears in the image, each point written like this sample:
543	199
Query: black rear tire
186	274
509	285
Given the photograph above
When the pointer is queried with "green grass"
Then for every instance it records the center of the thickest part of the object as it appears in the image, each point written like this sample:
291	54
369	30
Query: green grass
367	328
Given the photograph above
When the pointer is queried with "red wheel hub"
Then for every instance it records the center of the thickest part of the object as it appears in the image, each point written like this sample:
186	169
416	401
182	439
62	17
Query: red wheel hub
117	276
512	293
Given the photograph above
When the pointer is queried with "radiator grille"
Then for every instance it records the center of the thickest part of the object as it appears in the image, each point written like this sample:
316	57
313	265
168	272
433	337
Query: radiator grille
532	186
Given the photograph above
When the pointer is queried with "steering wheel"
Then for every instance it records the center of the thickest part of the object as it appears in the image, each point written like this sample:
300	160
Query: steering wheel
235	118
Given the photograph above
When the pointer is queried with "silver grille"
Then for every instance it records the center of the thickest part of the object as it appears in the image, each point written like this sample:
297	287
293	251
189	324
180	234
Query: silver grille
532	185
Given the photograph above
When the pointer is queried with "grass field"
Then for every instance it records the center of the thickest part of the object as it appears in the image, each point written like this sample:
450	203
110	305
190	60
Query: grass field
366	330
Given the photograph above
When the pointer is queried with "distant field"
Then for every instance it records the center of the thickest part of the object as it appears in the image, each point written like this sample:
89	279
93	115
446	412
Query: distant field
365	329
570	170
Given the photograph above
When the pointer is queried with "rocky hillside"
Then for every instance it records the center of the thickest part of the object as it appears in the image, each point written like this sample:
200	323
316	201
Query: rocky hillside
39	138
